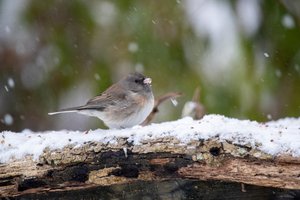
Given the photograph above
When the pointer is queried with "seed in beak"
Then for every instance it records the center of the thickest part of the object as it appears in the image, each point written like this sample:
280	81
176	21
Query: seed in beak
147	81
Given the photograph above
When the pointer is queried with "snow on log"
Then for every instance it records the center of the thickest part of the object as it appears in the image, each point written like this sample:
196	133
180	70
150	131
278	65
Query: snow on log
213	148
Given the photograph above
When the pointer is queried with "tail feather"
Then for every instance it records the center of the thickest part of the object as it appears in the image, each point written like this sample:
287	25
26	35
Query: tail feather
66	110
79	108
62	111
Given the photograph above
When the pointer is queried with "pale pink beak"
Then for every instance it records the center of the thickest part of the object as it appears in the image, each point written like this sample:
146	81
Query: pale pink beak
147	81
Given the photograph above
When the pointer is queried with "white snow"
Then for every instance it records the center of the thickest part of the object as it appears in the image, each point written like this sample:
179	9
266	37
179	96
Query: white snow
275	137
104	12
288	21
11	82
139	67
6	88
269	116
266	55
133	47
8	119
97	76
174	102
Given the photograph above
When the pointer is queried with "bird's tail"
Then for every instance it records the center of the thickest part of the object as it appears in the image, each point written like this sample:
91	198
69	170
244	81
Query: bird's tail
67	110
79	109
60	112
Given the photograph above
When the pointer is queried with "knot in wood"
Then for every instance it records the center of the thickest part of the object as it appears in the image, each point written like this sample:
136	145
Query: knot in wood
215	151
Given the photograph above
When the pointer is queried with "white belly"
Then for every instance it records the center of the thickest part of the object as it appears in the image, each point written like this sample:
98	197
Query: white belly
134	119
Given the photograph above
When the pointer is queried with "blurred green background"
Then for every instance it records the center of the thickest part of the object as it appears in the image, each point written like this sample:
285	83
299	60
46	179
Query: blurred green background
245	56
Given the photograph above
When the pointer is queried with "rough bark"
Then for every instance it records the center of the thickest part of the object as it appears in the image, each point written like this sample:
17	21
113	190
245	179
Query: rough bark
99	164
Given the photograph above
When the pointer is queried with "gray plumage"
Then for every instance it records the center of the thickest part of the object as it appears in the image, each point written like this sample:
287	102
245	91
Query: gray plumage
124	104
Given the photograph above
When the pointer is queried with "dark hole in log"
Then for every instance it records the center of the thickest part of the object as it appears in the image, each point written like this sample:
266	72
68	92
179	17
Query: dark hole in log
30	183
111	158
152	168
215	151
171	167
50	173
129	171
78	173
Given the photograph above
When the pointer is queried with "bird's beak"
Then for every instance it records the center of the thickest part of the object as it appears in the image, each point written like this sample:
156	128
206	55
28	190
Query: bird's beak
147	81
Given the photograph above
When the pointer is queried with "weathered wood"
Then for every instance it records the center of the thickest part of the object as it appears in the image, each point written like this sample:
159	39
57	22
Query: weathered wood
175	189
98	164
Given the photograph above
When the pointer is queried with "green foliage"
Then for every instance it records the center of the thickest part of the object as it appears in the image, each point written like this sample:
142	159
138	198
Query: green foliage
100	41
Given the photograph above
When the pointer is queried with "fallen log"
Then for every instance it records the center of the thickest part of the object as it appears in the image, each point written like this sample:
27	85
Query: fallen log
165	157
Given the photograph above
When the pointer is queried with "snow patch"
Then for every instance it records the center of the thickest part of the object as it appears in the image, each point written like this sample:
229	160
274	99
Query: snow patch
274	137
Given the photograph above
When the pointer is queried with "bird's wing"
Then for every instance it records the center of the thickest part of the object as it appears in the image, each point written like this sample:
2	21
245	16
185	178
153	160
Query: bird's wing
112	96
98	103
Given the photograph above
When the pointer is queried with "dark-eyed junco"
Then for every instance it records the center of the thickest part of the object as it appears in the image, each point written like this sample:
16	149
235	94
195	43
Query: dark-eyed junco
124	104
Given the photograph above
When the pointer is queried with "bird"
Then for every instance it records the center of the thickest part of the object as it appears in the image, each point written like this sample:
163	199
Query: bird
124	104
